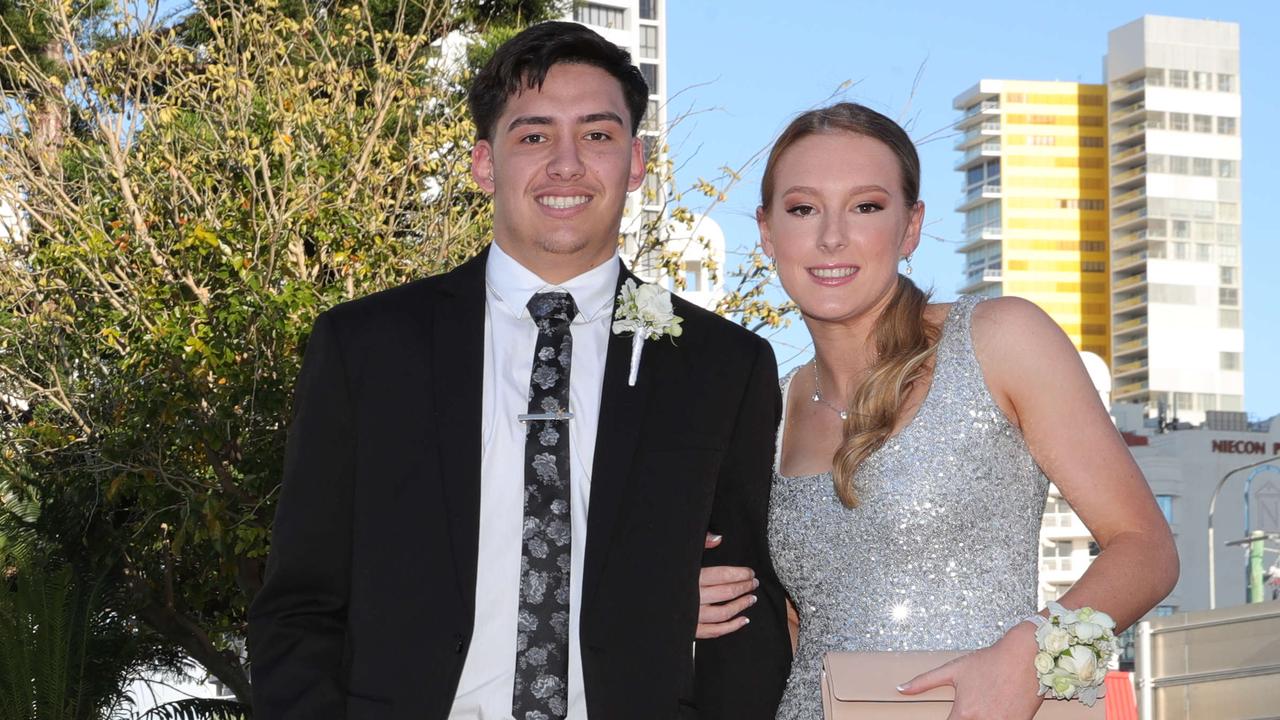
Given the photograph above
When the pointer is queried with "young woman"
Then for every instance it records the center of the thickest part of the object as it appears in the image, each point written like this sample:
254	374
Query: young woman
917	446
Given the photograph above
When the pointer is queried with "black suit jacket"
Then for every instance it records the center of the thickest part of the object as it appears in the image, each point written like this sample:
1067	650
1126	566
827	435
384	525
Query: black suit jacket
368	604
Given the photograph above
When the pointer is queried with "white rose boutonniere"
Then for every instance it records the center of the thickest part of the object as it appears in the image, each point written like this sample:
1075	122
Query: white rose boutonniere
646	312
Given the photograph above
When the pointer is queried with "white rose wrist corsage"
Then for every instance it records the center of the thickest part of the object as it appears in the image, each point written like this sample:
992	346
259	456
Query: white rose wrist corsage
646	312
1076	646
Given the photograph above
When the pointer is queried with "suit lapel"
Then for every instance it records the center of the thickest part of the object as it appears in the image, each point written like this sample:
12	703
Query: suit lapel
622	412
457	353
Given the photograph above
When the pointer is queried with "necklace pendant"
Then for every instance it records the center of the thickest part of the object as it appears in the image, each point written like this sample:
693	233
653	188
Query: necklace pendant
817	397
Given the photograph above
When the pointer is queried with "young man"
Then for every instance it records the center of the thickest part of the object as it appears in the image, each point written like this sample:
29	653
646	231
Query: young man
481	516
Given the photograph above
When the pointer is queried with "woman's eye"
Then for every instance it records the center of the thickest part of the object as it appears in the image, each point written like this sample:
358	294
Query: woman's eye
801	210
869	207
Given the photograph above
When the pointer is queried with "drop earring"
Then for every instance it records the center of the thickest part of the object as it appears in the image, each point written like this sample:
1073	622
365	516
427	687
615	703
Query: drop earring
908	259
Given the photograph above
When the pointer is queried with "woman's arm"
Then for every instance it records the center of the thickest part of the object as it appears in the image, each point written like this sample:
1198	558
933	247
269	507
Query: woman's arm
1036	376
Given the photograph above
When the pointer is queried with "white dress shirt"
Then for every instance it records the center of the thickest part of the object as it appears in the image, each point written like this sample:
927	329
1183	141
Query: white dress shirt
488	676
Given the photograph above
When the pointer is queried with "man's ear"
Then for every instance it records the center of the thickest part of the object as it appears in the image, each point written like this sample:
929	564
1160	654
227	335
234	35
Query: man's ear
766	240
638	161
482	165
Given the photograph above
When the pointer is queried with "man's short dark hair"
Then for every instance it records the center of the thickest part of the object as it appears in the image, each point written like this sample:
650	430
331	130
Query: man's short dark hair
524	60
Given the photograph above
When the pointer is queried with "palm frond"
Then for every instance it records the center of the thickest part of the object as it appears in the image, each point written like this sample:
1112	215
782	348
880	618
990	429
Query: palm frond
199	709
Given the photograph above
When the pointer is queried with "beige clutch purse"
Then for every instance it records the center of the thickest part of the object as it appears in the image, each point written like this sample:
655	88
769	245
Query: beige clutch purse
863	686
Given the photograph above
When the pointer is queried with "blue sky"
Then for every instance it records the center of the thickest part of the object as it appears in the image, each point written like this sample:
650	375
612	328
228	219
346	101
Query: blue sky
746	67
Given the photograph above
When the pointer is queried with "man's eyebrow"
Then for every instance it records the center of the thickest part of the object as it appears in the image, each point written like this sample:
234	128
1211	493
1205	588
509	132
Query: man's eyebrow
529	120
601	117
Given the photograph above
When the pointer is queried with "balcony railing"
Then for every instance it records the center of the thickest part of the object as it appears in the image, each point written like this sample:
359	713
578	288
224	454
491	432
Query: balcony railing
1131	131
1128	153
1128	303
1133	324
1135	194
981	107
1132	281
1130	389
1127	261
1139	214
1130	346
1129	174
1055	564
1130	367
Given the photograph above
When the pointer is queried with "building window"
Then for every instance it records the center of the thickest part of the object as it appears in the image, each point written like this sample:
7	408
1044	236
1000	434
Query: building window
693	276
1226	168
1229	360
1178	78
652	120
1165	502
650	73
601	16
1203	123
1227	275
1057	513
649	9
1178	121
1093	246
1229	297
1226	126
1057	556
1091	141
1202	167
1093	266
1229	234
1202	80
1204	252
1181	229
1226	82
1228	318
1228	254
1165	610
649	41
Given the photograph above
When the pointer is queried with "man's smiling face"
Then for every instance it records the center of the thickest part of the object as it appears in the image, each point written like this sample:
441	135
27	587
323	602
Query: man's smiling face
559	166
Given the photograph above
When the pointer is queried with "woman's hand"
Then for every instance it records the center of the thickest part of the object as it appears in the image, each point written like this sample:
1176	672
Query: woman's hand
723	592
999	681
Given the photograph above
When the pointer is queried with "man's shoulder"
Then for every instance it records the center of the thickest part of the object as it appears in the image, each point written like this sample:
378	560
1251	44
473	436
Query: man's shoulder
411	302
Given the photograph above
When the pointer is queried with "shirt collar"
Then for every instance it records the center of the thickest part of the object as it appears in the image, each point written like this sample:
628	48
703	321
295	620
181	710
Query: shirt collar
512	284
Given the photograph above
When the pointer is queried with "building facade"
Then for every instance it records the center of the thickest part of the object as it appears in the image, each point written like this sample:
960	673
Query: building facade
1173	88
1034	200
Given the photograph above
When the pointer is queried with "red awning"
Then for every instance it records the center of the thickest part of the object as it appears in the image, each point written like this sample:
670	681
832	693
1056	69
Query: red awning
1122	704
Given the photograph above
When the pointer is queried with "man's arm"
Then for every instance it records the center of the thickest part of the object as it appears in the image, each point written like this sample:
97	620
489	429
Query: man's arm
741	676
297	624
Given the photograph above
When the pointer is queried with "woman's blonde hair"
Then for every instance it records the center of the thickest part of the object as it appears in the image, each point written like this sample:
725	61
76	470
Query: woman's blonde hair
904	340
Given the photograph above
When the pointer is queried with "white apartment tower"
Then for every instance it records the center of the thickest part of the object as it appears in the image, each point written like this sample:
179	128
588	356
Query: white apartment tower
1174	128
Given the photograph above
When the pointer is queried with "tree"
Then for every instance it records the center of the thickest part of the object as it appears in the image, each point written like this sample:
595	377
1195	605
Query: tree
40	37
214	199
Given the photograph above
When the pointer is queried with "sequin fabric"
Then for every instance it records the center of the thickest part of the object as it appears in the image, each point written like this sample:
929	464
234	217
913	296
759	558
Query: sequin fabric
941	553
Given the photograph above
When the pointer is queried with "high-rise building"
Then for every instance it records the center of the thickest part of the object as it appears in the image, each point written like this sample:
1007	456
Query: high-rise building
1173	89
1034	202
1116	208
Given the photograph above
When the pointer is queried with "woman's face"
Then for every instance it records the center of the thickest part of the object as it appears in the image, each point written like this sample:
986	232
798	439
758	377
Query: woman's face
838	223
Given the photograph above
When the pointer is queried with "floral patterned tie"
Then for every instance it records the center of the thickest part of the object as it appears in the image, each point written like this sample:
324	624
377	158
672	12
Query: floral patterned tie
542	638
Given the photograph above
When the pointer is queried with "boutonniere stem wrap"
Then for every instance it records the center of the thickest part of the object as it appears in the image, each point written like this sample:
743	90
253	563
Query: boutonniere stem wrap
645	311
1075	649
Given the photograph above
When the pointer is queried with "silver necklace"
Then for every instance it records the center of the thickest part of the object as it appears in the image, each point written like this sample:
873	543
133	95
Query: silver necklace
817	394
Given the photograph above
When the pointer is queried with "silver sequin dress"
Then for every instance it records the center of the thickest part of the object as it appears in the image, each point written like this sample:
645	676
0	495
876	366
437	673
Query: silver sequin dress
941	553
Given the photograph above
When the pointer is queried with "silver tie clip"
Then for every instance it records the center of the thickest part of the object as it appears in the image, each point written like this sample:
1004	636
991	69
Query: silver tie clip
562	415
